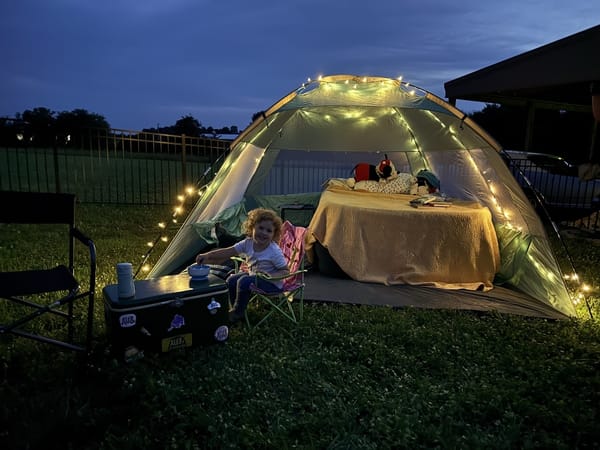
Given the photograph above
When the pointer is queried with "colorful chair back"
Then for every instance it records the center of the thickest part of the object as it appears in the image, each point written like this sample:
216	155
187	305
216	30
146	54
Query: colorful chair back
292	245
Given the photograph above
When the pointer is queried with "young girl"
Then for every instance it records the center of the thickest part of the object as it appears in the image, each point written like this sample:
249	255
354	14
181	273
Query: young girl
262	255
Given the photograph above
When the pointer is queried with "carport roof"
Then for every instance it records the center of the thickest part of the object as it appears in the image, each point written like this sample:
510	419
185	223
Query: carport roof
555	75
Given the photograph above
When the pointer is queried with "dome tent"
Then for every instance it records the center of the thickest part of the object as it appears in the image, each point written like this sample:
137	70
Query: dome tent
322	129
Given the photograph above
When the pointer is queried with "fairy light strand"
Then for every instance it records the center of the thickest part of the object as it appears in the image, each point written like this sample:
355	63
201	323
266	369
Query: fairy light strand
198	191
409	90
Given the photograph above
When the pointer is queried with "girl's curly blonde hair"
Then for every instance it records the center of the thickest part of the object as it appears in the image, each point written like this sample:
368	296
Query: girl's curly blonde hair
259	215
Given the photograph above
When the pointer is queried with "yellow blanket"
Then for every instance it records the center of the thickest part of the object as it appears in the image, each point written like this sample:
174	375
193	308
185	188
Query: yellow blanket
380	238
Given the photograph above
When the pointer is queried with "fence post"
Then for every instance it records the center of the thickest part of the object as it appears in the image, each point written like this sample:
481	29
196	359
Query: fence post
183	161
56	171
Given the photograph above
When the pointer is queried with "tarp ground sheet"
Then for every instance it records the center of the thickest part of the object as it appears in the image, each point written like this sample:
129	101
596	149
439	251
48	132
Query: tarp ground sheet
323	288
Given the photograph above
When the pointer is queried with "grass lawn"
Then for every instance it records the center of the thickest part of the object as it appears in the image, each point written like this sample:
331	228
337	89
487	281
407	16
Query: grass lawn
347	377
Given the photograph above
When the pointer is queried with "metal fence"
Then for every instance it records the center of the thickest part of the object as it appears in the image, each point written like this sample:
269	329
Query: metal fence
554	187
133	167
113	166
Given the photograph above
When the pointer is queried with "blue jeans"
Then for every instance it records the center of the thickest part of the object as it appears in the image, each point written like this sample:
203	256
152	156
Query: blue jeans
239	290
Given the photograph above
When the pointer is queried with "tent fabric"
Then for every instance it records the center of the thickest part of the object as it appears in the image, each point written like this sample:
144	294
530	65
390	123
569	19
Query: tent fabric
324	128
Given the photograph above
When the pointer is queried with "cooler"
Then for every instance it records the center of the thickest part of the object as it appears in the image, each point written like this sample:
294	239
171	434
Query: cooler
166	313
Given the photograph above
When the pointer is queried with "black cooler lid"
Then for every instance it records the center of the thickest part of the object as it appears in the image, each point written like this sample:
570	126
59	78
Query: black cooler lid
165	288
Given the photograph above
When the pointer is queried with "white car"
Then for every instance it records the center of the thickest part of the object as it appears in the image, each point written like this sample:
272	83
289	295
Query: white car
556	181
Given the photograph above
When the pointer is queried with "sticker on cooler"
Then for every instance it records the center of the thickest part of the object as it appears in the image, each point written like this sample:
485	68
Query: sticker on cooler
175	342
177	322
222	333
213	306
127	320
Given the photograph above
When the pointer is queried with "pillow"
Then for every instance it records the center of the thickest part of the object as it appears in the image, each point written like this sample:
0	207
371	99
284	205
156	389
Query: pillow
368	185
402	184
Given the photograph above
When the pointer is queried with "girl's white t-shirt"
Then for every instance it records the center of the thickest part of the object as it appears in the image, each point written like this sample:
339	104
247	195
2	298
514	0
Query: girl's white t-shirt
269	260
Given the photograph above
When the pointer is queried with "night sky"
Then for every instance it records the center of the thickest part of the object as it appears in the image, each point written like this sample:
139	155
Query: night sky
147	63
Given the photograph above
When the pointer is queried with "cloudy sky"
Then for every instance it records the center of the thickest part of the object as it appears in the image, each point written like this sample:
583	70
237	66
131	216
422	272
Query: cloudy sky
143	63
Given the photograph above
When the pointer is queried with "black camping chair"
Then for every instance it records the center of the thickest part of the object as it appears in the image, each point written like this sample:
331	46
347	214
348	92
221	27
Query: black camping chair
52	290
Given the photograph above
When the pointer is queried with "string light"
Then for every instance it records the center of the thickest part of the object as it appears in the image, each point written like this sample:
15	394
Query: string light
202	187
409	90
580	290
506	218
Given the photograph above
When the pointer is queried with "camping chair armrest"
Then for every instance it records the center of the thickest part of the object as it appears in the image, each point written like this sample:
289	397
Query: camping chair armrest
266	276
238	262
92	254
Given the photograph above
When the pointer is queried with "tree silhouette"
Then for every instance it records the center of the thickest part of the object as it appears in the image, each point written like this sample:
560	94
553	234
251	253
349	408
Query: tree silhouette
188	125
43	127
39	125
78	119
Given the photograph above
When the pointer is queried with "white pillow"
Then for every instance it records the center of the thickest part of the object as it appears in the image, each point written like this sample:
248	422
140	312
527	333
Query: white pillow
402	184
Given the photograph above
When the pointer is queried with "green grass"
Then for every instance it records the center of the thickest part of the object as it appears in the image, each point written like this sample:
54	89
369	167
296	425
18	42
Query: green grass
346	377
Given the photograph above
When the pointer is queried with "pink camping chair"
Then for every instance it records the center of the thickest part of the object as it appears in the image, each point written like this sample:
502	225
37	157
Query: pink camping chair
292	245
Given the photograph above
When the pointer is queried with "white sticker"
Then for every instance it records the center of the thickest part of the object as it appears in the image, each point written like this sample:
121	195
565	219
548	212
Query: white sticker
127	320
213	306
222	333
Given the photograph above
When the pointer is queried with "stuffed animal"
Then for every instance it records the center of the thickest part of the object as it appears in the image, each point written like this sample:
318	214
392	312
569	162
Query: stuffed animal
429	180
384	171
